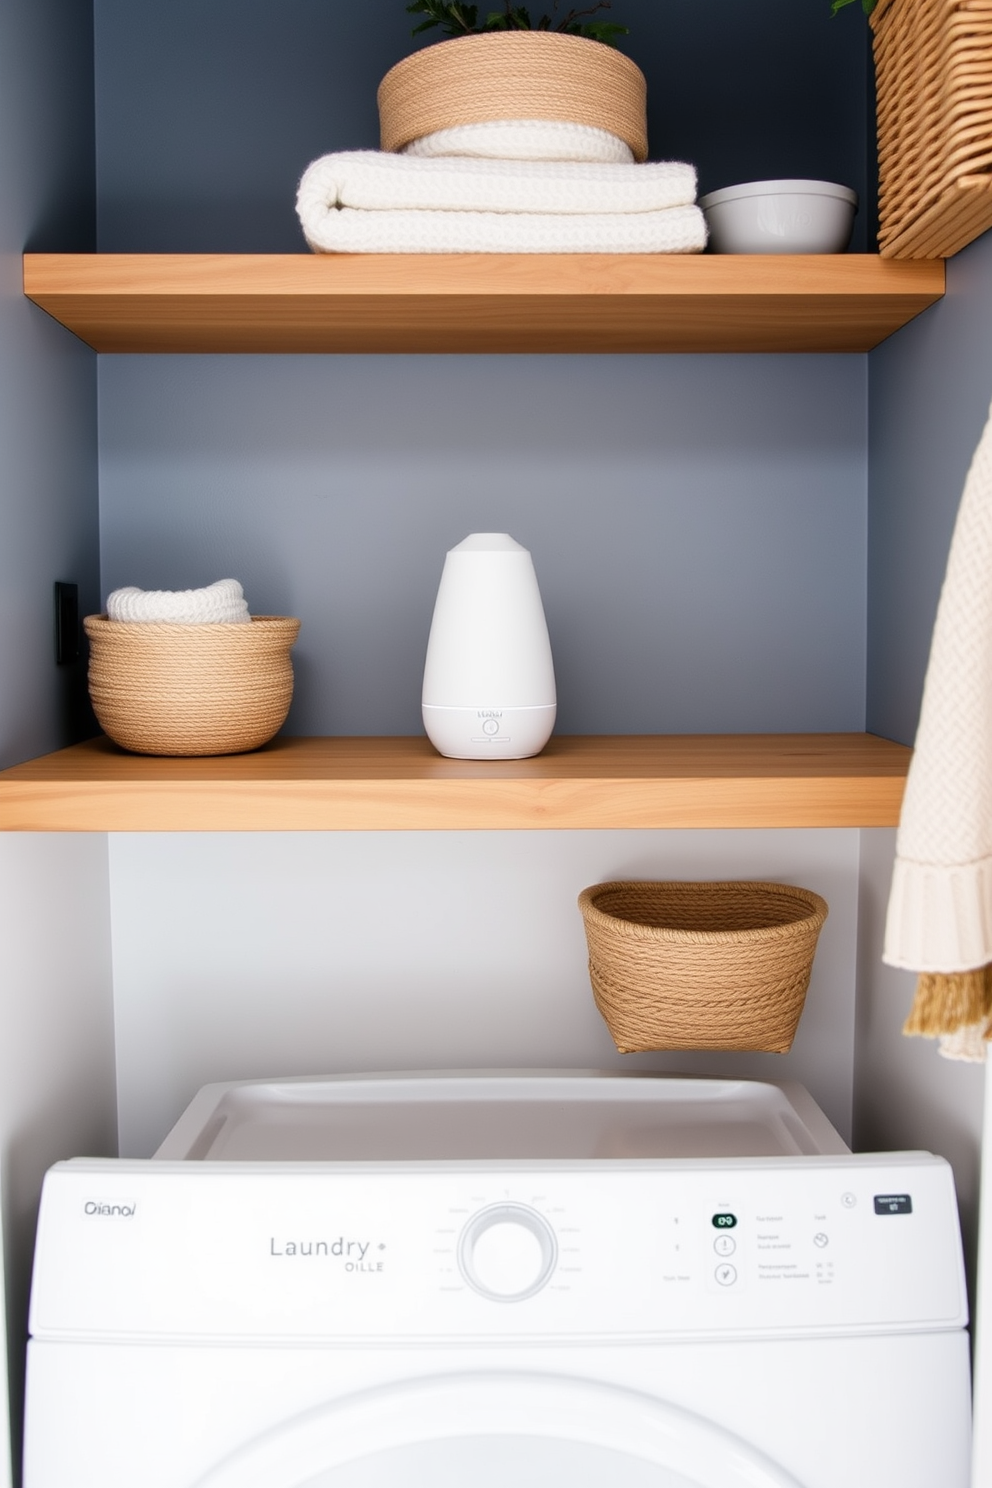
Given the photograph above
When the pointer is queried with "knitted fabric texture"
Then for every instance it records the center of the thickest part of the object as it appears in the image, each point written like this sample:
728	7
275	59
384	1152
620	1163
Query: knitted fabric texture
679	230
940	907
370	202
222	603
524	139
374	181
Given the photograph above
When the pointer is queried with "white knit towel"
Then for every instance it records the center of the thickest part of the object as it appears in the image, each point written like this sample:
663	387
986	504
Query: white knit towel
524	139
678	230
940	906
221	603
374	180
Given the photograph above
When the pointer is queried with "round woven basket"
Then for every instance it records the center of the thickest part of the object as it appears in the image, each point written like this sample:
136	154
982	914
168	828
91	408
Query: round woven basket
514	75
701	965
191	689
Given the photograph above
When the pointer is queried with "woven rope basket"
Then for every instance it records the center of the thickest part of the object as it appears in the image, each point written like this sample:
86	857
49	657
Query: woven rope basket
933	71
191	689
701	965
514	75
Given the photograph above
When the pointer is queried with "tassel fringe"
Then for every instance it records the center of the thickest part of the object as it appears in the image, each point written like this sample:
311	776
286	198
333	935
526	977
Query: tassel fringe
946	1002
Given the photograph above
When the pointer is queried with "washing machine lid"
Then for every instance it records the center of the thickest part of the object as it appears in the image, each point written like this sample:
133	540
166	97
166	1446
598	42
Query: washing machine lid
480	1116
492	1429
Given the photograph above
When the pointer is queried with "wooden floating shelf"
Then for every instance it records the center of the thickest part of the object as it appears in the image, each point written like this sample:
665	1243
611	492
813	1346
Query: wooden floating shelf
351	784
481	302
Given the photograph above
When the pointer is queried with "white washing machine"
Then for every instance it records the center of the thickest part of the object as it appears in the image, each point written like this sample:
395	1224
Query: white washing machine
497	1280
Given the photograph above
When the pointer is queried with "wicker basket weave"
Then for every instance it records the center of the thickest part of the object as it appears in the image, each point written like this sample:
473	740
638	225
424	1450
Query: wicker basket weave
701	965
933	71
191	689
514	75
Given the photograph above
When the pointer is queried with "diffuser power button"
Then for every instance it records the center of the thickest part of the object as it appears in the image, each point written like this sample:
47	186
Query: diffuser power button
491	726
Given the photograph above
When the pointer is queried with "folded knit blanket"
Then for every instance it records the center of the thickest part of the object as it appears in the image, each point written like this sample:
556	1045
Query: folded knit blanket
222	603
940	906
524	139
364	201
374	180
679	230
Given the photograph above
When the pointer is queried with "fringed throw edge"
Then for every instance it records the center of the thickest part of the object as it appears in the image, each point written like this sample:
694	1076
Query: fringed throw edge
948	1001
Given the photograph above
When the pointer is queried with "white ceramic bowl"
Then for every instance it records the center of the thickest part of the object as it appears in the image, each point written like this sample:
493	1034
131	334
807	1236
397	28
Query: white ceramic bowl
780	217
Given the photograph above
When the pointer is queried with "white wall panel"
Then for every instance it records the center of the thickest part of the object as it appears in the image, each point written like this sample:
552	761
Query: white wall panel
57	1043
251	955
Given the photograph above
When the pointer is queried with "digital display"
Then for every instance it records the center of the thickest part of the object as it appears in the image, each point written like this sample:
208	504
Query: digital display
893	1204
724	1221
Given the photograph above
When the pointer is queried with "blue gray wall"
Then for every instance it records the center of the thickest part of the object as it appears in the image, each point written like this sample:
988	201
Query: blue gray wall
57	1092
48	446
208	111
698	524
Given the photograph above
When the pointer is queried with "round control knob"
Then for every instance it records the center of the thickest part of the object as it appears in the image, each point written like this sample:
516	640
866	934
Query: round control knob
507	1252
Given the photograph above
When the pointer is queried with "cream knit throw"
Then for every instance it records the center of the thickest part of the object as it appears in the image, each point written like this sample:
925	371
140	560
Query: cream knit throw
222	603
376	181
940	906
365	201
524	139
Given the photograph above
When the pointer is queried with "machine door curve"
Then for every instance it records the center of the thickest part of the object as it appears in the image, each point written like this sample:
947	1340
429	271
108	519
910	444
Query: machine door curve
494	1428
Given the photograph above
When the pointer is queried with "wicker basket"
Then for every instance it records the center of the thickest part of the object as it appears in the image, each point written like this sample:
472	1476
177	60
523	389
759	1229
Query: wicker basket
191	689
514	75
933	69
701	965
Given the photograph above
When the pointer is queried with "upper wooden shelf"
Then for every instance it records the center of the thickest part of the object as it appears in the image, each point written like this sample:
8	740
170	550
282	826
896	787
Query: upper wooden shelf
350	784
480	302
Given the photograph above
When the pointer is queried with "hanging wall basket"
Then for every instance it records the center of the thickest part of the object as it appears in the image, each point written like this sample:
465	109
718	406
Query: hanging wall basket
933	71
514	75
701	965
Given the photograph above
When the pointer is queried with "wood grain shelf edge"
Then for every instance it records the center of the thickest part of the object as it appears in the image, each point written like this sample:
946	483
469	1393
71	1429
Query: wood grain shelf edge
270	303
820	780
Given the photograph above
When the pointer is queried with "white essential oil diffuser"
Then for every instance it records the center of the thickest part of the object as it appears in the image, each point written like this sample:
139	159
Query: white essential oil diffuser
489	682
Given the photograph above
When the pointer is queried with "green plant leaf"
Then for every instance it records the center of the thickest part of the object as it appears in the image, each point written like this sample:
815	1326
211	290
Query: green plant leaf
456	19
605	31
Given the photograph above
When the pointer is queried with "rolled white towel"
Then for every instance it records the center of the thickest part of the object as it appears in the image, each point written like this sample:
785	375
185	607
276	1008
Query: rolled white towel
373	180
524	139
222	603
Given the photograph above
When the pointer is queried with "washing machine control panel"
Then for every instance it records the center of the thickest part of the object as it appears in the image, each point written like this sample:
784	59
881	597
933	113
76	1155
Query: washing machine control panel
345	1252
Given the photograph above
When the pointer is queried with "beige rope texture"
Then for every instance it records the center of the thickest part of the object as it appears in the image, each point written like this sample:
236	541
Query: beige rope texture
933	67
685	965
514	75
191	689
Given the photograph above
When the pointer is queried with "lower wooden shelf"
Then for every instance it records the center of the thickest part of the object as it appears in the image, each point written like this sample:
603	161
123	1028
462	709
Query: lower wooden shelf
388	784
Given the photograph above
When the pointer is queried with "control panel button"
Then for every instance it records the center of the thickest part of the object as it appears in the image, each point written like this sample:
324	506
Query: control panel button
491	726
849	1200
507	1252
821	1241
726	1275
724	1221
724	1245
